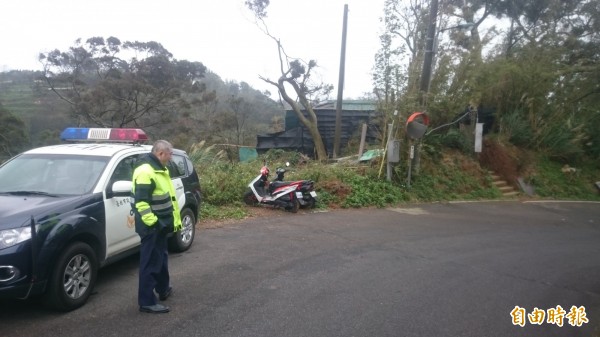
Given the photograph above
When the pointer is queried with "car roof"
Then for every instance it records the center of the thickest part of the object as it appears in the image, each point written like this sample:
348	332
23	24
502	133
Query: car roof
90	149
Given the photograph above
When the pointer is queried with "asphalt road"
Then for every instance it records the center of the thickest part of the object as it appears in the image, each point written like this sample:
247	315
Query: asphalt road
420	270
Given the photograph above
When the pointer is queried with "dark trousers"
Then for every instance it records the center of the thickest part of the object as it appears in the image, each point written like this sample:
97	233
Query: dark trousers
154	267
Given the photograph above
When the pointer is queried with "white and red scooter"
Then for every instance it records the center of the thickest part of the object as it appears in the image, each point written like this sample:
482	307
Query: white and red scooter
289	195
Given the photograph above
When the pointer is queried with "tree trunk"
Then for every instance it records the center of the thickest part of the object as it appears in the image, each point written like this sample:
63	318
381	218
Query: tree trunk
321	152
310	122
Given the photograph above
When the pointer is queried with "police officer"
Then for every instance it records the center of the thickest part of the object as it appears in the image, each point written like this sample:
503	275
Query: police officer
156	215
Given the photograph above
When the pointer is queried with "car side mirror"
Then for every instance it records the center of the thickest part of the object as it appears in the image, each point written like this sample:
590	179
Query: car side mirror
120	188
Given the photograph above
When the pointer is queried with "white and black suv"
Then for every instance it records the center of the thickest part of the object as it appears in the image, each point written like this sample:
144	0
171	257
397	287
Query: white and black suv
65	211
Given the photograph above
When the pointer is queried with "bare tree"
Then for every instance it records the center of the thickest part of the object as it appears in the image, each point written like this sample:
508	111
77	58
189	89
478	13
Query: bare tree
296	74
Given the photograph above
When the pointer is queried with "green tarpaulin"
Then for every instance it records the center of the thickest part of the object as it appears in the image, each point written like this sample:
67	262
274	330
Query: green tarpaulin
247	154
371	154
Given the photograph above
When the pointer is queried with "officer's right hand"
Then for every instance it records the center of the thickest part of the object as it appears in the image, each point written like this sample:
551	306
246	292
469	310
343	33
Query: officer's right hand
165	227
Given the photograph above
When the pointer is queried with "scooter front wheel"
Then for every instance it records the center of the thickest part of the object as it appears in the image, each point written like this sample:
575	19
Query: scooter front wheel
250	198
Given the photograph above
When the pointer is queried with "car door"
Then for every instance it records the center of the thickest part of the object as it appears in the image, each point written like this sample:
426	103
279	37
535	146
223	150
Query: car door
177	170
120	221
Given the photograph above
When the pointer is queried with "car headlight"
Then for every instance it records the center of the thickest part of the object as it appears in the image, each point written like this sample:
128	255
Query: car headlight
11	237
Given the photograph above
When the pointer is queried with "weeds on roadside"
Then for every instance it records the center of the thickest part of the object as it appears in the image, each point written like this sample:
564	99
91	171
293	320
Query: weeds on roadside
352	185
551	182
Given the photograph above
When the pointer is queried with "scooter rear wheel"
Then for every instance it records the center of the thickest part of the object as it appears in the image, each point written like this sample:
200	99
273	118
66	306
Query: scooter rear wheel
310	203
250	198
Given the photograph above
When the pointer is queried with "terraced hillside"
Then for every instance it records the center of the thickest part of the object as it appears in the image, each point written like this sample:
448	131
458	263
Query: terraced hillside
26	97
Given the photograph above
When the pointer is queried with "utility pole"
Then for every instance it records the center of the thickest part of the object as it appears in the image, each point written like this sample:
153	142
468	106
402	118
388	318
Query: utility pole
340	96
428	58
425	77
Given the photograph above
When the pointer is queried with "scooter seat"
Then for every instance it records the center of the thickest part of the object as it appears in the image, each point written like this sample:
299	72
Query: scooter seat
277	184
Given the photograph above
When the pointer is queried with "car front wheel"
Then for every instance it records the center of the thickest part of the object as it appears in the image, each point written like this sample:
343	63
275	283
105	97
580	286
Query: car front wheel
73	277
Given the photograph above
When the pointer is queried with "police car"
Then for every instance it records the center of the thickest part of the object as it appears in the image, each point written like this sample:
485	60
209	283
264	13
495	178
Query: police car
65	211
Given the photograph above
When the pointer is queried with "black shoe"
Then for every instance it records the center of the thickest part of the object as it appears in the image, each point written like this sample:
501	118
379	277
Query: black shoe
166	294
154	309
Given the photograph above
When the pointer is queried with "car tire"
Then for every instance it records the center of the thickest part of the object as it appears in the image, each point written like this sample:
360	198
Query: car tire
73	278
182	240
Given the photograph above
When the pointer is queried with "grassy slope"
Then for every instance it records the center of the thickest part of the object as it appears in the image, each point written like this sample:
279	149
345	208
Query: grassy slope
450	176
551	182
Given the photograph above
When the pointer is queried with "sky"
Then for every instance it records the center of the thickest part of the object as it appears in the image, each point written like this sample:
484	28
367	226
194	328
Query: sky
219	33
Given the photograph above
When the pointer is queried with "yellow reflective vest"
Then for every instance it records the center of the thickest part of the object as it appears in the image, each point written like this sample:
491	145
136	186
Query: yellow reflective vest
155	201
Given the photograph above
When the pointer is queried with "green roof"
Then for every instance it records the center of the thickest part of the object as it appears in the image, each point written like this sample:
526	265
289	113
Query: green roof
348	105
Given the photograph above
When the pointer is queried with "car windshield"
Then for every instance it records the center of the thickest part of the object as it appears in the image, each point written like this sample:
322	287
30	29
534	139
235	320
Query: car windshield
45	174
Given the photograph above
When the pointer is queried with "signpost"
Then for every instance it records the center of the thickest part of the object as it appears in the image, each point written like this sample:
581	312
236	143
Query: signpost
478	137
416	125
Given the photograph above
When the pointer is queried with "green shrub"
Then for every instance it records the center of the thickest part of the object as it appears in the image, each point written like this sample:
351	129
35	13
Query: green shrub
517	129
370	191
455	139
223	183
561	141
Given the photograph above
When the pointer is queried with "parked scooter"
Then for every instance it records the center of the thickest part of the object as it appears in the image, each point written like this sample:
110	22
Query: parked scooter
289	195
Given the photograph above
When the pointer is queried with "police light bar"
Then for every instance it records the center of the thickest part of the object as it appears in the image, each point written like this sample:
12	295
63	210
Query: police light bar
104	134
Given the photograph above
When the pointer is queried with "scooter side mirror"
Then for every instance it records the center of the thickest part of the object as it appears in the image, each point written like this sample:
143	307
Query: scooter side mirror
280	173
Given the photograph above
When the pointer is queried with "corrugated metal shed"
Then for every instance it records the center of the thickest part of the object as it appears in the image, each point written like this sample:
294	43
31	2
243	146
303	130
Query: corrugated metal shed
354	114
296	139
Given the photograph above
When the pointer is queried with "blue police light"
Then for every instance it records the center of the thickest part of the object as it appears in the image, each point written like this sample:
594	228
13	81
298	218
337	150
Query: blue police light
73	134
104	134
